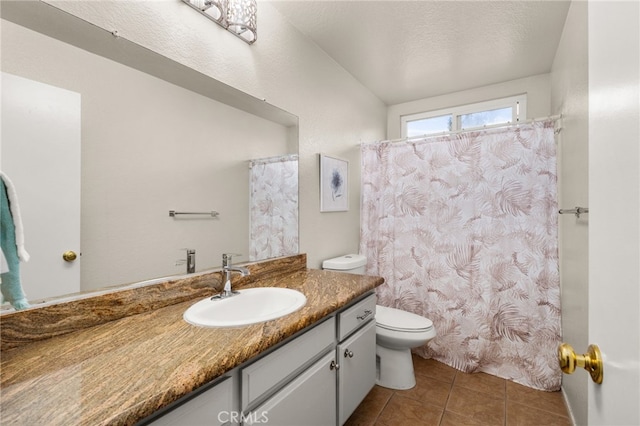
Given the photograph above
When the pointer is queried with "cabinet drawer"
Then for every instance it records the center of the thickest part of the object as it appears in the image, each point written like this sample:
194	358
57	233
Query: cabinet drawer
278	366
355	316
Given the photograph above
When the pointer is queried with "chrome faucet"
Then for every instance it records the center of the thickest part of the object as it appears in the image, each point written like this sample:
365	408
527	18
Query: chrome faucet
190	261
227	269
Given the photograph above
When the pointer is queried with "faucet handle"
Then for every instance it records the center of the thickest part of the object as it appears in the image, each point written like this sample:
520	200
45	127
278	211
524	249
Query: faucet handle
227	258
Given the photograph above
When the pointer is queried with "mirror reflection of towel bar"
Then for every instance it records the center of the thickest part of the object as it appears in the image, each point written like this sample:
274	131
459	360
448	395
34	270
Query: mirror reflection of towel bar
212	213
577	211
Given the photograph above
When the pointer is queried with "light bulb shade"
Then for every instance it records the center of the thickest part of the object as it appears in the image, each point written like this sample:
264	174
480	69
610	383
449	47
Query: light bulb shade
215	10
242	19
237	16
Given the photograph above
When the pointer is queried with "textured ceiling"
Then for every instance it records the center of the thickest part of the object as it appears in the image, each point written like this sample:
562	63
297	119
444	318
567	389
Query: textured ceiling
408	50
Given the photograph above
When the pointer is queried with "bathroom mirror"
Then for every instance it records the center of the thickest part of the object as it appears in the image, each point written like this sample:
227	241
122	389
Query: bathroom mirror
155	136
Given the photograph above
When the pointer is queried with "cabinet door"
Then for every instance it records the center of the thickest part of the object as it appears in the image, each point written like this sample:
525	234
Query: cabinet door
269	372
357	373
308	400
213	407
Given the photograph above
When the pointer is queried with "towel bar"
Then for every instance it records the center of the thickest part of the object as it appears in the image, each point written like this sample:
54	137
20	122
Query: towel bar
577	211
212	213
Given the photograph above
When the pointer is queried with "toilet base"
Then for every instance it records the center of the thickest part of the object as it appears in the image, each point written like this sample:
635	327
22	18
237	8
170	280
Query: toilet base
395	368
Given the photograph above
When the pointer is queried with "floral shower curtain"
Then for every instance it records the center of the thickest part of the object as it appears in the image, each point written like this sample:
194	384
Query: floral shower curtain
273	207
464	230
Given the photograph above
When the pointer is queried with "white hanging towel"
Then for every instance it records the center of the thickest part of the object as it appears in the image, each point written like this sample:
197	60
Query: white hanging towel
17	220
4	266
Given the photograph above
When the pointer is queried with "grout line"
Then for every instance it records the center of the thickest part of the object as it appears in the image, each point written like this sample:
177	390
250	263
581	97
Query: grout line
505	403
393	392
444	410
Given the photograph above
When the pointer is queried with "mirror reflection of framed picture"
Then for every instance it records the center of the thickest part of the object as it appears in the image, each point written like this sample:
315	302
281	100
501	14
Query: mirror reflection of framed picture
334	184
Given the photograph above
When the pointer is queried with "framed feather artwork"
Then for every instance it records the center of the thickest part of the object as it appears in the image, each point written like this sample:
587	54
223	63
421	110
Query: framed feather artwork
334	184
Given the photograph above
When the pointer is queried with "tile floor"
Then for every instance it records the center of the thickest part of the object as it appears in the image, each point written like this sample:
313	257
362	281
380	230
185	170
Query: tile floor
447	397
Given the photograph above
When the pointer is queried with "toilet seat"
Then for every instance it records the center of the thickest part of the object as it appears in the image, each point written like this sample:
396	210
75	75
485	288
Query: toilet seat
399	320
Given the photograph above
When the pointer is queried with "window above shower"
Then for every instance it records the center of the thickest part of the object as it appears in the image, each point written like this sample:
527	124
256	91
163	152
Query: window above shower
465	117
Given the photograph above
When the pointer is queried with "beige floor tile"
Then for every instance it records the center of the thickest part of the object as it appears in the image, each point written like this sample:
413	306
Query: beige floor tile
359	419
453	419
407	411
480	406
548	401
481	382
434	369
370	408
523	415
429	390
444	396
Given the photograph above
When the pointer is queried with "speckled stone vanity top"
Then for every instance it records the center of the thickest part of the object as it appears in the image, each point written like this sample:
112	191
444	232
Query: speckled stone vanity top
119	371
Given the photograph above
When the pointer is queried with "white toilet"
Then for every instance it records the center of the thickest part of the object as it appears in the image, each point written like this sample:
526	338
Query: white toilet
397	332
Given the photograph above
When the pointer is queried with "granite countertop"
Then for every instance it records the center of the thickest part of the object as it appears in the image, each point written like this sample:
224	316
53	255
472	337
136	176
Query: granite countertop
121	371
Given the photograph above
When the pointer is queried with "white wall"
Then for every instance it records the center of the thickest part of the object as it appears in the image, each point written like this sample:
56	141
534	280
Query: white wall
536	87
336	113
570	97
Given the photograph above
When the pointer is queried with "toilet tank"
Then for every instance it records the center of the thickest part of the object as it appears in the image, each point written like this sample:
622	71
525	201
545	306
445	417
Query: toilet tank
349	263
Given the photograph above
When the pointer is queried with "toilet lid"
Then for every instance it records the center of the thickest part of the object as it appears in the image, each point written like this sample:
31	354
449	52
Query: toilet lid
396	319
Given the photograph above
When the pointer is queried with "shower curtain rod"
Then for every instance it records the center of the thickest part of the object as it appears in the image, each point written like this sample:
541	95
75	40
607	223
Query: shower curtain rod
455	132
274	159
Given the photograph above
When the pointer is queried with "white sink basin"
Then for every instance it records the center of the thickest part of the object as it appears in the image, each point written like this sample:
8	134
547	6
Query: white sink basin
251	306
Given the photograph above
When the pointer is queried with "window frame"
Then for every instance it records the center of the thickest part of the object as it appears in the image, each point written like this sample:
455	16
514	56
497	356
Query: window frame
518	104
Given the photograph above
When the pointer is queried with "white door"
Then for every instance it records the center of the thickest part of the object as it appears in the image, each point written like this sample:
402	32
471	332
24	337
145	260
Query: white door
40	153
614	198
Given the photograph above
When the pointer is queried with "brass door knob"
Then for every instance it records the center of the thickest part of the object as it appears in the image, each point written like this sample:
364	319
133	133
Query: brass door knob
591	361
69	256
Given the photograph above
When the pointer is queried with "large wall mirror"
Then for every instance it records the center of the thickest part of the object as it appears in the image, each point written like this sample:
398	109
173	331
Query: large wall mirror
150	136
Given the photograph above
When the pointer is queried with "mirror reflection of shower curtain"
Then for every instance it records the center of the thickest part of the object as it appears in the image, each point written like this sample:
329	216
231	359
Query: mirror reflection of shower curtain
273	207
463	228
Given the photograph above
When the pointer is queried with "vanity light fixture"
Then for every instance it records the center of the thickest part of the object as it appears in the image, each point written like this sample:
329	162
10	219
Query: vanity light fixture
212	9
241	19
237	16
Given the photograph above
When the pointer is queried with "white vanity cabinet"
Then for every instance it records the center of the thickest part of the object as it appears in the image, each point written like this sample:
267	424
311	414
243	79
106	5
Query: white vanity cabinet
356	356
357	373
310	399
318	377
215	406
328	391
261	378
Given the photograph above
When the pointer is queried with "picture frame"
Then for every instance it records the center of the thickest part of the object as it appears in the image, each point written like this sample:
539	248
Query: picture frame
334	184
